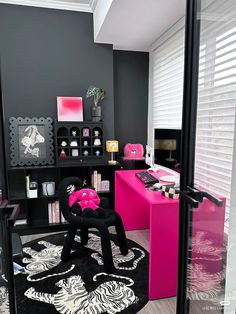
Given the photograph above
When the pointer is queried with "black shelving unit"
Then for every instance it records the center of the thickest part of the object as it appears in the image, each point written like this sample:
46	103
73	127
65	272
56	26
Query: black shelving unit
35	210
78	141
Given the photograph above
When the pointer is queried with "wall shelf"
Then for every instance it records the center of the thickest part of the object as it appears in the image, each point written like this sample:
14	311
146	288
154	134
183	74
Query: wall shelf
76	141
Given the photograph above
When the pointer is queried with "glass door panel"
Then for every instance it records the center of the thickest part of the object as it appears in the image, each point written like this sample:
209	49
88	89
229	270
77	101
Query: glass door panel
8	215
209	186
4	289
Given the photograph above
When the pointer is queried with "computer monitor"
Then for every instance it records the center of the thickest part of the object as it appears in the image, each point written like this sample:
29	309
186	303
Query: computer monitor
167	147
149	160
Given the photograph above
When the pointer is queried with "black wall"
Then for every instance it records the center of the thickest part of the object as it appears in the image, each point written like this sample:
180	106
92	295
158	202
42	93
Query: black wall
131	96
47	53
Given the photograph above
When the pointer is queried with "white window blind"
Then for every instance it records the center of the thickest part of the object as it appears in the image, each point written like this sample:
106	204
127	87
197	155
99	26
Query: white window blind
167	82
216	100
216	93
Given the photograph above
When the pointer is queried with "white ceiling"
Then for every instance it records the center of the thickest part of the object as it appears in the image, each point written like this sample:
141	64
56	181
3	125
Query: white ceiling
127	24
73	5
136	24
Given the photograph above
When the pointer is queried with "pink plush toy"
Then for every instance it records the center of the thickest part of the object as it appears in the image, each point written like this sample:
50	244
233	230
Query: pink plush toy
85	202
133	151
86	198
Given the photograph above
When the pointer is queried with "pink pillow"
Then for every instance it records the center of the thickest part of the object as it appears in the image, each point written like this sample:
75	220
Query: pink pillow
86	198
133	151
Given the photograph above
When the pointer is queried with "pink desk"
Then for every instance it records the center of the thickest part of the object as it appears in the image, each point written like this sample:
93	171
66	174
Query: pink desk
141	209
144	209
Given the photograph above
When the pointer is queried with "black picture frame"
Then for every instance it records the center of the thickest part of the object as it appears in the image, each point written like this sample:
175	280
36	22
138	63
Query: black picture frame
31	141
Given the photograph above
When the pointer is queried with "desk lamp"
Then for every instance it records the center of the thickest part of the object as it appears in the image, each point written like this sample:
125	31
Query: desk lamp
166	144
112	147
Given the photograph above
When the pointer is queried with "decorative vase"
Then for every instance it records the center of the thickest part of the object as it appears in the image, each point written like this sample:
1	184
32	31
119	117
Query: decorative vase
96	113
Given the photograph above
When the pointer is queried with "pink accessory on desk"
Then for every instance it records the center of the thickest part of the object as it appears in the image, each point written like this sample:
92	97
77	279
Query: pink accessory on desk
133	151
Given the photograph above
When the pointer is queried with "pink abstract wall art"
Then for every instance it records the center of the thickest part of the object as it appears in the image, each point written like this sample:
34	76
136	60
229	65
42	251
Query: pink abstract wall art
69	108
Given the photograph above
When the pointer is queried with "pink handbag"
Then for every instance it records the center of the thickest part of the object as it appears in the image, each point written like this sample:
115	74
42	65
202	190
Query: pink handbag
133	151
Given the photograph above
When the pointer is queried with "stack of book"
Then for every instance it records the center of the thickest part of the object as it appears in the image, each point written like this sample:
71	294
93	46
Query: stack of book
99	184
96	180
54	213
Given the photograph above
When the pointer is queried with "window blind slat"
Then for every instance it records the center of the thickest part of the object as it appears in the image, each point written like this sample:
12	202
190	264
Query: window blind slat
217	158
200	143
214	164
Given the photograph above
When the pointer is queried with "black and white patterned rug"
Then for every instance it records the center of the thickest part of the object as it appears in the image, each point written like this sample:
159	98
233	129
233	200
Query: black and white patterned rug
80	286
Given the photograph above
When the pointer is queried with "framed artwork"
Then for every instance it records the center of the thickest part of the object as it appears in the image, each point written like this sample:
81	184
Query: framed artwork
31	141
70	109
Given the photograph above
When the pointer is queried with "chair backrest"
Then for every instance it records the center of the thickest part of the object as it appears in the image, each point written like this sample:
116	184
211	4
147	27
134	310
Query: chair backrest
64	190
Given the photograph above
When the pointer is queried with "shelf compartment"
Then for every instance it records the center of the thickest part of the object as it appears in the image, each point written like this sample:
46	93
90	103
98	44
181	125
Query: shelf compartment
97	151
62	131
97	142
85	140
74	141
60	152
63	142
74	152
74	131
84	150
97	132
86	131
16	184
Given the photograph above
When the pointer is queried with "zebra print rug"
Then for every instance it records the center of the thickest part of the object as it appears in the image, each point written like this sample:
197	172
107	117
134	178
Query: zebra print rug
81	285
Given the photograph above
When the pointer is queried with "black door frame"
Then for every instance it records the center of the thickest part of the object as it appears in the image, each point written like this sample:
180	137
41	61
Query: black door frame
189	119
3	168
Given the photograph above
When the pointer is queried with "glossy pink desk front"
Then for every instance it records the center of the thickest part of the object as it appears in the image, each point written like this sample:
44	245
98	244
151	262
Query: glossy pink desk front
142	209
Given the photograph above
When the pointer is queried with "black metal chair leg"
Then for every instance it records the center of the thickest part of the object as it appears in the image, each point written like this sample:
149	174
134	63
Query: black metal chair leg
106	248
69	240
84	235
121	237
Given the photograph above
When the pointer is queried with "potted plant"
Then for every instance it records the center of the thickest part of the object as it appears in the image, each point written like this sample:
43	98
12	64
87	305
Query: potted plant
98	95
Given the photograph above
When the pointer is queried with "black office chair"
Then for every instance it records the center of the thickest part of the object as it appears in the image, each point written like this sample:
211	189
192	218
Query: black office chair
111	218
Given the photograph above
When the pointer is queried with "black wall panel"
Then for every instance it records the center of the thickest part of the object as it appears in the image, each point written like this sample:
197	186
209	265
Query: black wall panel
47	53
131	96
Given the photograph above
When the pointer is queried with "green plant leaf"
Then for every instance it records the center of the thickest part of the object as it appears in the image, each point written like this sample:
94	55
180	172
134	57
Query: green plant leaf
98	93
92	91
